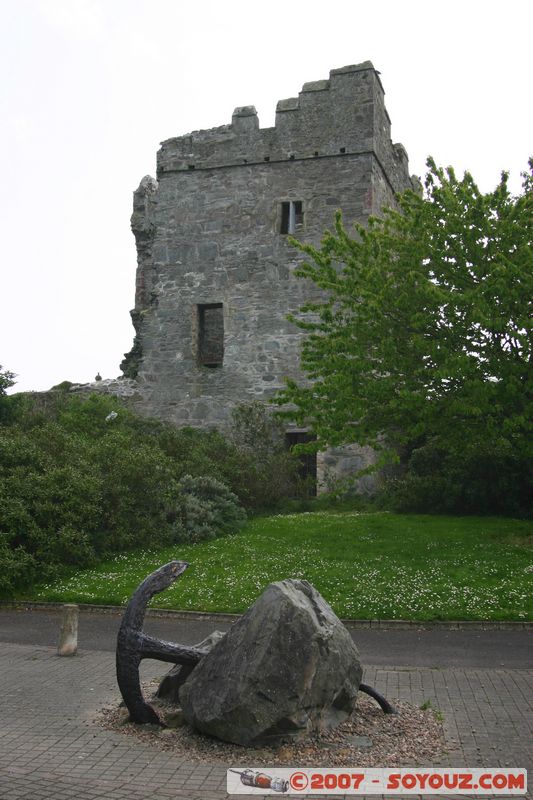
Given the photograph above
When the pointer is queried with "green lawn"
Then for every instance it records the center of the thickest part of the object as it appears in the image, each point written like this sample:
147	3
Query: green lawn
366	565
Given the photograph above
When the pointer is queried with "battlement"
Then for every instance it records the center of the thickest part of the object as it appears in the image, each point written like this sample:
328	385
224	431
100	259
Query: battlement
342	115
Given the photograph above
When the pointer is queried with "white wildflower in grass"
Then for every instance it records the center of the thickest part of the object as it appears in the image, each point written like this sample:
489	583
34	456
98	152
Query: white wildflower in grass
365	565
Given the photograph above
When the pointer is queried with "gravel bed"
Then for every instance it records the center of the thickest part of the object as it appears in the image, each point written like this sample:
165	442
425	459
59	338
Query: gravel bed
368	738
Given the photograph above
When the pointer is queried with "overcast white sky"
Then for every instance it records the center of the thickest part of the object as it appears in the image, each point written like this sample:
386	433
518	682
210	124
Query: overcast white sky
90	88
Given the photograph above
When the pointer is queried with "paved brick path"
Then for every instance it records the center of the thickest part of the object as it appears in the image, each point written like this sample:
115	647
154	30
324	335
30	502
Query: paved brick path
51	749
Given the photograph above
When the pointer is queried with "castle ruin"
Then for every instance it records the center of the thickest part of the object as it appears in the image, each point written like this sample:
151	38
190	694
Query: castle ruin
215	268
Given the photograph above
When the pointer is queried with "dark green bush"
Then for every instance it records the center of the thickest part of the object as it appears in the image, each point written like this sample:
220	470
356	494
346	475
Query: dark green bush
17	566
138	491
207	509
49	502
487	479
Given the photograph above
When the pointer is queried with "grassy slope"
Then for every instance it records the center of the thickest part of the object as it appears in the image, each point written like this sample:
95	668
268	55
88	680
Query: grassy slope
375	565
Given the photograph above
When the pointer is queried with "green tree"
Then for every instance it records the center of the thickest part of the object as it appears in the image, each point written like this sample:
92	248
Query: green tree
7	379
422	330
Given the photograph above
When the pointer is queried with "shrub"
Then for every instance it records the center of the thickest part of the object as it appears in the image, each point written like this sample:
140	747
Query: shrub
207	508
486	479
49	502
17	566
138	493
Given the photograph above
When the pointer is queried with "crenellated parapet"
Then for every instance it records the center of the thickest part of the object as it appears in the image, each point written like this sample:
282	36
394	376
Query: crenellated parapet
341	116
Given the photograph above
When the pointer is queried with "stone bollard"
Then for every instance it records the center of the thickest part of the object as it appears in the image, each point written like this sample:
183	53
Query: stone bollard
68	635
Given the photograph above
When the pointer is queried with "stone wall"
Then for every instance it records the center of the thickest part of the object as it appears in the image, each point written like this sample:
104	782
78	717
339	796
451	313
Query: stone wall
212	257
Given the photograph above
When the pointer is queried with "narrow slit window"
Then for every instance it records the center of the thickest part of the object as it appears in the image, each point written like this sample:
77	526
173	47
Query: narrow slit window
211	334
292	216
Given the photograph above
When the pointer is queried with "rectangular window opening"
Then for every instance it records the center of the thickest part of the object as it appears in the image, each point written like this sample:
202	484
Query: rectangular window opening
292	216
211	335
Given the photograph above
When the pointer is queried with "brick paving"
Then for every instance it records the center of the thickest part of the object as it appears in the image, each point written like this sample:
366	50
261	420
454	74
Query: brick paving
51	748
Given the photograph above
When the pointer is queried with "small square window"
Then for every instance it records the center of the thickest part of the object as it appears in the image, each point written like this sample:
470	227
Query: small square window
292	216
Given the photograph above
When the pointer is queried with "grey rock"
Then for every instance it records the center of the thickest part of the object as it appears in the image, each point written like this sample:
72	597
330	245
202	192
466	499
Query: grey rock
169	688
287	668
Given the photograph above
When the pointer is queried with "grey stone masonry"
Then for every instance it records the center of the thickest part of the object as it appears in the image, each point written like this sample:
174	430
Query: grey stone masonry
215	276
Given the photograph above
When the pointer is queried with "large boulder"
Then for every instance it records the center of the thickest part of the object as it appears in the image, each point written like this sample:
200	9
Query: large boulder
287	668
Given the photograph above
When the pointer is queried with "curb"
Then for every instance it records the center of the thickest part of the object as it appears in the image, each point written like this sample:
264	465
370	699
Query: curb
383	624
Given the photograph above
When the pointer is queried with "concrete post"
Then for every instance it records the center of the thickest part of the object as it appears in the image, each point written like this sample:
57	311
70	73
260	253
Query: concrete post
68	635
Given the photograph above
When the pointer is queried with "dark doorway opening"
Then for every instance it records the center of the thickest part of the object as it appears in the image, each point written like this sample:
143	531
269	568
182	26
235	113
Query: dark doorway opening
307	469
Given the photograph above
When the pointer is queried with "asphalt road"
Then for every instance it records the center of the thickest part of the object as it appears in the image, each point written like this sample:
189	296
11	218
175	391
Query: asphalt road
408	647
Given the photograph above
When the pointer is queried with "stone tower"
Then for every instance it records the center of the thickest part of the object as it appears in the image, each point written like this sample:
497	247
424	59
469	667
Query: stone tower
215	269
